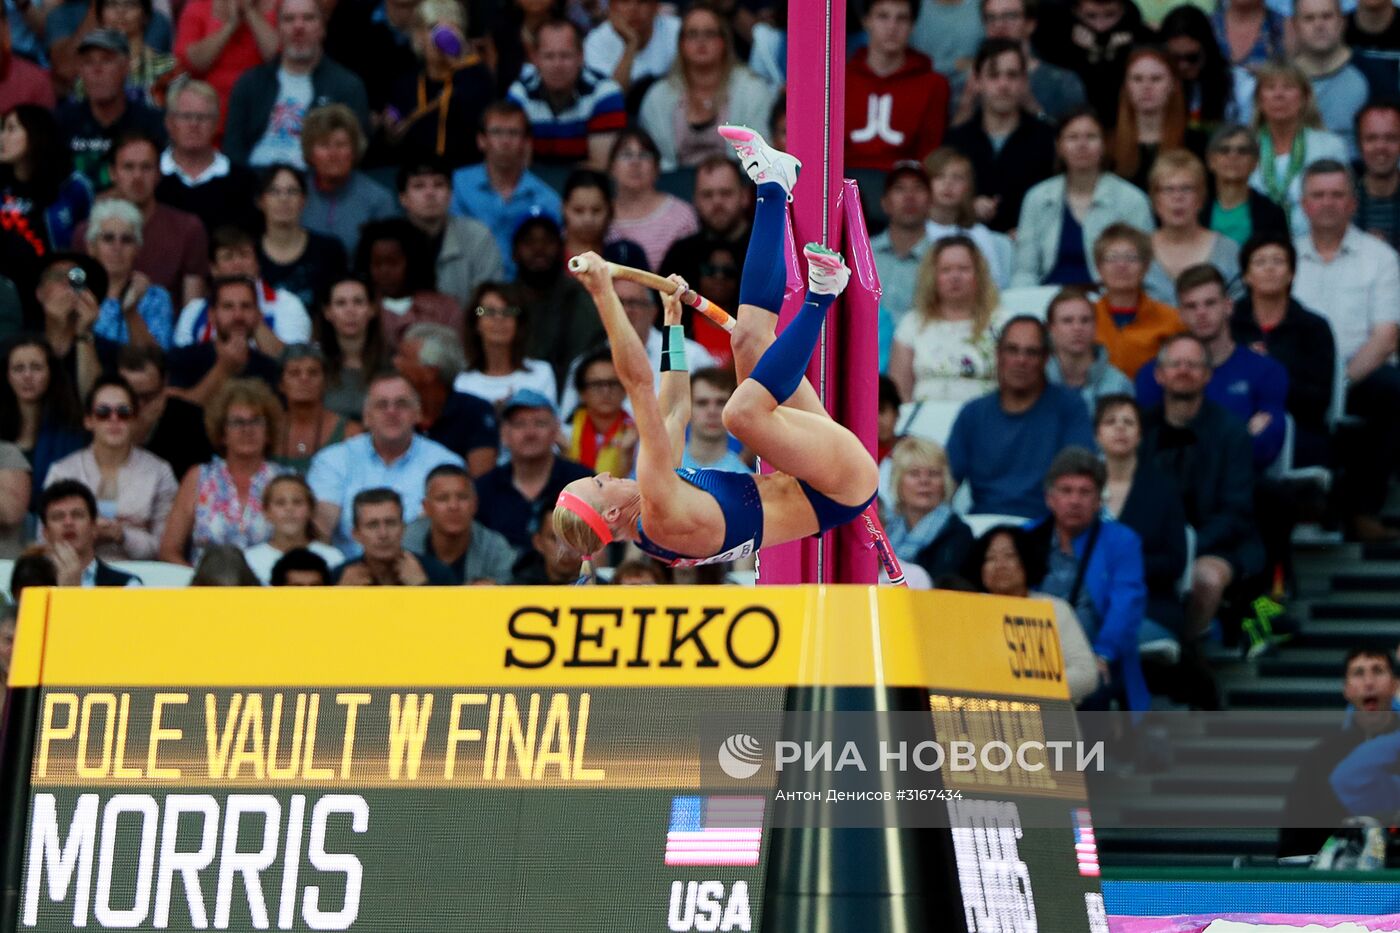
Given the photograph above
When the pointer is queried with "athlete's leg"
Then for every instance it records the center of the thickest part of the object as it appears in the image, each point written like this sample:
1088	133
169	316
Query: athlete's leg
764	280
804	444
810	447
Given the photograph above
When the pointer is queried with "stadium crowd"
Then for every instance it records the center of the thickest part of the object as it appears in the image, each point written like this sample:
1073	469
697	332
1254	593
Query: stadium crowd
284	294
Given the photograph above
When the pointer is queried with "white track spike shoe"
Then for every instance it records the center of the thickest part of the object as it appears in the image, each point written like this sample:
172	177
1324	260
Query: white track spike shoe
826	270
760	160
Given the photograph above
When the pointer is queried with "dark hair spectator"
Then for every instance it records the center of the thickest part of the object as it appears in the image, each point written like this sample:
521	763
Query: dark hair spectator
351	339
167	425
1140	496
1093	39
602	435
1376	136
498	331
1011	151
1003	562
393	257
588	215
1270	319
66	489
38	405
45	199
32	568
289	255
643	213
1206	80
300	567
310	424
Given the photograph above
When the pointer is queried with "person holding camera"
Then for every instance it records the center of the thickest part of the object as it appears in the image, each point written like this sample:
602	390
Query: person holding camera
69	293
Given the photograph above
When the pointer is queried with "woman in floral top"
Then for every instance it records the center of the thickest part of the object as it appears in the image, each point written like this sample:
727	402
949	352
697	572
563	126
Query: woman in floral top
945	348
220	502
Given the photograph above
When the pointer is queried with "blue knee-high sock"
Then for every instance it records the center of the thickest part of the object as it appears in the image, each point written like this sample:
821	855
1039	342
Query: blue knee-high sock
783	364
765	273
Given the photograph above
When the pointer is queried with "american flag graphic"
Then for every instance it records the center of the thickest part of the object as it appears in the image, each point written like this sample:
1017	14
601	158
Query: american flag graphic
1086	850
714	831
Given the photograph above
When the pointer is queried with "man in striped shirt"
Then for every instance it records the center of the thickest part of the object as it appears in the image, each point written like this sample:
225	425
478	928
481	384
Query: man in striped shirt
575	112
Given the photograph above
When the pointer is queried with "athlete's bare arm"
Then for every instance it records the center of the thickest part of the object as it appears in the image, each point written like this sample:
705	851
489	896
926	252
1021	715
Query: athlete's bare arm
655	474
675	385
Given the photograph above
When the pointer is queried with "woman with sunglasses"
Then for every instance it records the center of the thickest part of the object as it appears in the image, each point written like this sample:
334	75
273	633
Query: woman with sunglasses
1234	209
1206	77
135	489
497	366
134	311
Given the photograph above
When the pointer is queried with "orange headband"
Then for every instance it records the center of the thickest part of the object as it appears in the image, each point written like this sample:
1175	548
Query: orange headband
572	503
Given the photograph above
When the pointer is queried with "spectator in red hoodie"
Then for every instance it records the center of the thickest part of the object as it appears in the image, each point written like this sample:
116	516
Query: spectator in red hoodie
896	104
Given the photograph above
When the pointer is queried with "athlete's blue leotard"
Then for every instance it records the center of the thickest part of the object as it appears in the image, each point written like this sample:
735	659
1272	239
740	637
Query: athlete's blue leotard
739	502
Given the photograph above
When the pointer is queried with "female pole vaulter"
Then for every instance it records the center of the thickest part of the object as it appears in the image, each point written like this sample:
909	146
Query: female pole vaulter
688	517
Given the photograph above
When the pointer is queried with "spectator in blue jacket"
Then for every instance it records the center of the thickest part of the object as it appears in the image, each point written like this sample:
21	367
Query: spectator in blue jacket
1330	780
1245	382
1367	780
1003	442
1095	565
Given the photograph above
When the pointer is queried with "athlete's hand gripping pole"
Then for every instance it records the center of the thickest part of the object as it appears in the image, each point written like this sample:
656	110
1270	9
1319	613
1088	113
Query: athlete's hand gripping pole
713	312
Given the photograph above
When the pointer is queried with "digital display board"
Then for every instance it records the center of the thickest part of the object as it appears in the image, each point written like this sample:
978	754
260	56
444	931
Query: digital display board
494	760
